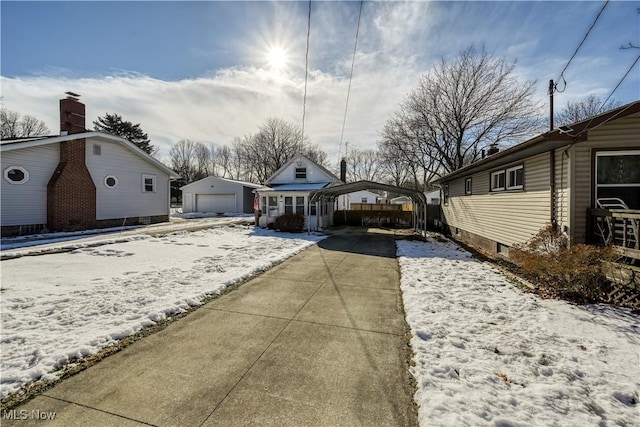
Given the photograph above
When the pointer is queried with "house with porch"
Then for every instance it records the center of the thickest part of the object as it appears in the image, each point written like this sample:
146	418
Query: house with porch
288	190
583	178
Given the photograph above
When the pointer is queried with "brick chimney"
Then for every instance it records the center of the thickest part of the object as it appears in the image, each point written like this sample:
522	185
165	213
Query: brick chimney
71	193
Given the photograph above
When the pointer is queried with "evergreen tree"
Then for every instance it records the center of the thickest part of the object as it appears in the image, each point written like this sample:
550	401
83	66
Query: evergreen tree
114	125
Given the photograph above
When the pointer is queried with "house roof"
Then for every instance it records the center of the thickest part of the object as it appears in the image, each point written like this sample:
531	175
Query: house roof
296	158
232	181
18	144
574	133
302	186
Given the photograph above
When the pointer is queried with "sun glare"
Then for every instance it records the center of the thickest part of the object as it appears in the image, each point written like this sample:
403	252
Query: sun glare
277	58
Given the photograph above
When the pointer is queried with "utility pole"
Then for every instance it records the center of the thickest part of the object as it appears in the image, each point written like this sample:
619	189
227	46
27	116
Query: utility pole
551	90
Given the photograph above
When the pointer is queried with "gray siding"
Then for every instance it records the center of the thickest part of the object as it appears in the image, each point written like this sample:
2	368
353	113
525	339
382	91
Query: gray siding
508	217
24	204
127	199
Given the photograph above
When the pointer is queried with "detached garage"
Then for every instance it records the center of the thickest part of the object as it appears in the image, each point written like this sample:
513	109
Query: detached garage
218	195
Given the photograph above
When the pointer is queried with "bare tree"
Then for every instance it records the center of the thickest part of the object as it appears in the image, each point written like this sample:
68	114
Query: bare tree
13	125
462	106
363	165
577	111
275	143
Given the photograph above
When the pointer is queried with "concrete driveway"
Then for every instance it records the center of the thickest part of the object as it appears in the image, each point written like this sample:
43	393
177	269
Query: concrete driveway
317	340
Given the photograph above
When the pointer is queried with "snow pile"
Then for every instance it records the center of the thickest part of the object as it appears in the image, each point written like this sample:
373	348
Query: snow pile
488	354
58	308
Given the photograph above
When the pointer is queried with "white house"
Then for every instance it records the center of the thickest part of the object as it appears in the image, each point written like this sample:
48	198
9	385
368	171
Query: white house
220	195
433	197
365	197
401	200
79	180
287	191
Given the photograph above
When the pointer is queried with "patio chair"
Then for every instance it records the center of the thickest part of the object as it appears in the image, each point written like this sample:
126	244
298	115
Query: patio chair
613	227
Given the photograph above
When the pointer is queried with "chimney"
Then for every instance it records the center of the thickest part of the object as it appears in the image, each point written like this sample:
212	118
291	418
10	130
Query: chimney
71	193
493	149
343	170
72	114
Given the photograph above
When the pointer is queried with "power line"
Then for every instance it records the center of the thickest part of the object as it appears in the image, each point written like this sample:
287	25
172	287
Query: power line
306	72
561	75
620	82
353	60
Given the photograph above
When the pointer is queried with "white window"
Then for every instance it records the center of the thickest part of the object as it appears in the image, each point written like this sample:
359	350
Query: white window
16	175
515	178
111	181
467	186
300	205
364	200
497	180
148	183
273	206
288	205
618	177
301	173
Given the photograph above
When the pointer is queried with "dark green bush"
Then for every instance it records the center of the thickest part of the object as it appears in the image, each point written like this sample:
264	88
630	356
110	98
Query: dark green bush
290	223
574	272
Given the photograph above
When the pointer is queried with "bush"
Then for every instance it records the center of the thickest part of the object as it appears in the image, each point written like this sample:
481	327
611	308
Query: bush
290	223
573	272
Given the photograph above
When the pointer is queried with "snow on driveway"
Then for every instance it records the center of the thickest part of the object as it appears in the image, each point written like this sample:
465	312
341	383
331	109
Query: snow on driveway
487	353
58	308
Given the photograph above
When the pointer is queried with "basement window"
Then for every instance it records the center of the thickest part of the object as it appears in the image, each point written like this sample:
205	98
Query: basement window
111	181
16	175
502	249
148	183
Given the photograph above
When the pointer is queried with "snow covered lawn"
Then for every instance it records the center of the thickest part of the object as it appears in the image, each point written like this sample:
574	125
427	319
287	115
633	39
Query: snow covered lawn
61	307
487	353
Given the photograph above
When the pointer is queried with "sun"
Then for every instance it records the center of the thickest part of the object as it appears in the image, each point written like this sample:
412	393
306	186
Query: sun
277	58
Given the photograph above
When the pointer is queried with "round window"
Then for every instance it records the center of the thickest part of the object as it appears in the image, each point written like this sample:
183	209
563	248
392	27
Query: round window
111	181
16	175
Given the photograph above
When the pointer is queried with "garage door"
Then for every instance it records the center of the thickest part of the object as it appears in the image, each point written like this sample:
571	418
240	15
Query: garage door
218	203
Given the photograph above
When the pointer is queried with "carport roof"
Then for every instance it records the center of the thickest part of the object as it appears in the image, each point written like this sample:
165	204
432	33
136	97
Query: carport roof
333	192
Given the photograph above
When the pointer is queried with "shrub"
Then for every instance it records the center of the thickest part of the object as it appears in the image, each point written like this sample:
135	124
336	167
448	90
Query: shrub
290	223
574	272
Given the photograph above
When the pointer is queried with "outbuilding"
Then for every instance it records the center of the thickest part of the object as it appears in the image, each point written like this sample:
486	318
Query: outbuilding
218	195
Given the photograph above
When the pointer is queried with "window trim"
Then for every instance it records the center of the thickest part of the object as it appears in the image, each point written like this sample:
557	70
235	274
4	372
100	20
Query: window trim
495	173
507	177
110	186
153	183
25	174
468	189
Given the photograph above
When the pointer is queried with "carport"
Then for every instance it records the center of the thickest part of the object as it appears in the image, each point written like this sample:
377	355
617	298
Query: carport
330	194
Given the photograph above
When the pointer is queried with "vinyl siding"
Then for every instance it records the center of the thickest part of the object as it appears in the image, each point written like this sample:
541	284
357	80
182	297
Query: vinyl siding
508	217
24	204
619	134
127	200
215	185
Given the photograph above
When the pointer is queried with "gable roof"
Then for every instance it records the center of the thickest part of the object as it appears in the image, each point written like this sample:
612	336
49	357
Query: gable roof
18	144
231	181
334	179
551	140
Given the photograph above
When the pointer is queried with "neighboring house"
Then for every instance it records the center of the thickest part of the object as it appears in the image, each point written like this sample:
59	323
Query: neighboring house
79	180
401	200
433	197
358	197
287	191
219	195
556	178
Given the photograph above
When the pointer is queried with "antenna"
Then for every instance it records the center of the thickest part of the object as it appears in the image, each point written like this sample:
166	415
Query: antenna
72	95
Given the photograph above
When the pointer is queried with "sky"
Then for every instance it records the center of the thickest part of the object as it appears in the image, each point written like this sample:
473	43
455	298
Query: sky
212	71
